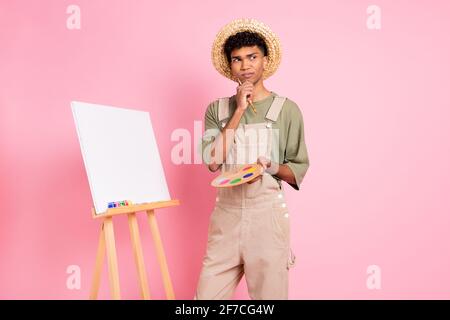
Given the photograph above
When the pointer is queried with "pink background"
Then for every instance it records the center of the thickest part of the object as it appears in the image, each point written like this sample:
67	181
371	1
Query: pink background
376	110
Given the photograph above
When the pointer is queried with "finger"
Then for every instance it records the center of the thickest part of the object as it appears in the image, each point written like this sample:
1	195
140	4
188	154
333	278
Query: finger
262	164
262	169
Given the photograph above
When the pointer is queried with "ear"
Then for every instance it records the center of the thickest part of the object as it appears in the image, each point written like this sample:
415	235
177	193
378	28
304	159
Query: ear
265	62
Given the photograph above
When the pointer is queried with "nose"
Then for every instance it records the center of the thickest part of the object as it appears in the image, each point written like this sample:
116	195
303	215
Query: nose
244	65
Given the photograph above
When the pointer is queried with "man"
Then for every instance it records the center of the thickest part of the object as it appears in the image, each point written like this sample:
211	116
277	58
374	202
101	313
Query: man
249	229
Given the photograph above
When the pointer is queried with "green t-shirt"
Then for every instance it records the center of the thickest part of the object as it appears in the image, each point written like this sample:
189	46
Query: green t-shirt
292	147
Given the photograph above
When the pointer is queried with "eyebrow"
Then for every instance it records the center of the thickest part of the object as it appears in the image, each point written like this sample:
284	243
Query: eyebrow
250	54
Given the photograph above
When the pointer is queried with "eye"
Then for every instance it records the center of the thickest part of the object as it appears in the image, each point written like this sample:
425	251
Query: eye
252	57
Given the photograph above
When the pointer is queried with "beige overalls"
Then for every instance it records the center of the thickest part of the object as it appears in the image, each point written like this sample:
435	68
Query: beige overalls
249	226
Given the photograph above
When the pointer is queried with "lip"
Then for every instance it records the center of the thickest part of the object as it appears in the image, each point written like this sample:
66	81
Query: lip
247	75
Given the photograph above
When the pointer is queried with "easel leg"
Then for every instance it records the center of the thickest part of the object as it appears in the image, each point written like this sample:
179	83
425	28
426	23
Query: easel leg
160	254
138	256
112	258
98	265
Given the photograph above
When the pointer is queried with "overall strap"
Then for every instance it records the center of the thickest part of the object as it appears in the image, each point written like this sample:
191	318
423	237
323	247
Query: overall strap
224	108
275	108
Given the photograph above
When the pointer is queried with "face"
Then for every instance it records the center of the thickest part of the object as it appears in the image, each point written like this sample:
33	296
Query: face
248	63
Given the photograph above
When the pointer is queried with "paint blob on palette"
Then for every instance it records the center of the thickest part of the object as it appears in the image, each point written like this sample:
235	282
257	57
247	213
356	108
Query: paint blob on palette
242	175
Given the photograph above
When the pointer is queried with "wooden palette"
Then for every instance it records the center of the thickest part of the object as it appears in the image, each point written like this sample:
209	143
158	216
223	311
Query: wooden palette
241	175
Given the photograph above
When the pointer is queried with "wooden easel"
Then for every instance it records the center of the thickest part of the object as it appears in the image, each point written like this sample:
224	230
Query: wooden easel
107	243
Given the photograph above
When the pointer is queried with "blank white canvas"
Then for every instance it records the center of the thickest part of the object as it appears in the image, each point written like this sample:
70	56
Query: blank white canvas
120	155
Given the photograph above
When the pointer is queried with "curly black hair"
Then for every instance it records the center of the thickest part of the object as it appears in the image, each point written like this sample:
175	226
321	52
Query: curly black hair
244	39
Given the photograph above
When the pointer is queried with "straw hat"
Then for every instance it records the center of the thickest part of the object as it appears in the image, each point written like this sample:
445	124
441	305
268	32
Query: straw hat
219	58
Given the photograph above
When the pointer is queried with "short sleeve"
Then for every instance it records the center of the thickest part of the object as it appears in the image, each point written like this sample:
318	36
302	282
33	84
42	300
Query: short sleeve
211	131
296	154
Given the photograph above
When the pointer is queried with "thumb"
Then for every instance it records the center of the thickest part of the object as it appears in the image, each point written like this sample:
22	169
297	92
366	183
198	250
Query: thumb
262	164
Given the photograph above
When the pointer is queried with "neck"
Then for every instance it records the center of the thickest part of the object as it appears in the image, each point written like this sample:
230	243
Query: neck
259	91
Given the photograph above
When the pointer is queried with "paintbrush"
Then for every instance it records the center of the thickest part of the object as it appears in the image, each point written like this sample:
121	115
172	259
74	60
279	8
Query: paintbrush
249	101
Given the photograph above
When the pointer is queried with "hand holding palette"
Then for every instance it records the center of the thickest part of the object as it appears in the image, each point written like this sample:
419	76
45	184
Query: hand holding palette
242	175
